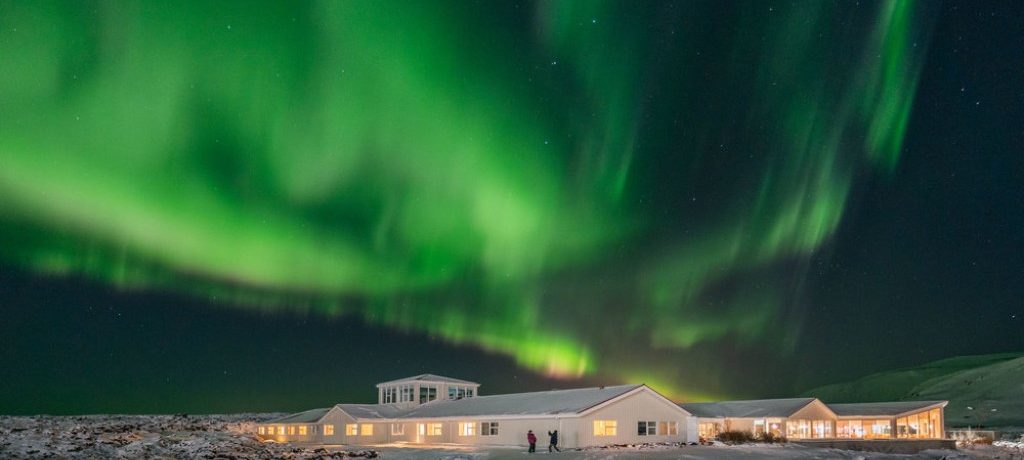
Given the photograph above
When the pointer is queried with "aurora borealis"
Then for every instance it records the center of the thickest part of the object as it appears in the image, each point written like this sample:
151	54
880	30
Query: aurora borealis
685	194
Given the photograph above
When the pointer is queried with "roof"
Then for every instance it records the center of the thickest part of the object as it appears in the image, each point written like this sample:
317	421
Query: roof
309	416
430	378
751	408
881	408
551	402
373	410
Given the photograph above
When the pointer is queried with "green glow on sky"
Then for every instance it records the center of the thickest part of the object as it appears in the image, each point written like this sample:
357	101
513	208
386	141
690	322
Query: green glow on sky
444	170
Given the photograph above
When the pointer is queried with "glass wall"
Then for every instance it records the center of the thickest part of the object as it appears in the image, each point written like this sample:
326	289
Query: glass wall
864	429
808	429
922	425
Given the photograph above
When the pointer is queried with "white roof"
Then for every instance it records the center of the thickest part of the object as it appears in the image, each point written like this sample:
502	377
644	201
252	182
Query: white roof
430	378
751	408
309	416
882	408
551	402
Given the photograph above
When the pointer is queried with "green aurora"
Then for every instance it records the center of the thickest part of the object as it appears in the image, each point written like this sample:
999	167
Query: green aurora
496	175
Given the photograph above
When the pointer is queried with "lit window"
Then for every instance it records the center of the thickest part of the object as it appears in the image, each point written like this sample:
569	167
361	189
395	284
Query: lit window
351	429
605	427
291	430
261	430
489	429
302	430
397	429
328	430
367	429
280	429
421	428
646	428
467	429
433	429
671	428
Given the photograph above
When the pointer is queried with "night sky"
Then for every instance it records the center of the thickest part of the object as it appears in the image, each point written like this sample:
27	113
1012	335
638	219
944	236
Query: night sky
237	207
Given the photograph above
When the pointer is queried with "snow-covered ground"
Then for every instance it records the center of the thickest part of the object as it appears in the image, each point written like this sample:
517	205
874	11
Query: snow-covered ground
229	436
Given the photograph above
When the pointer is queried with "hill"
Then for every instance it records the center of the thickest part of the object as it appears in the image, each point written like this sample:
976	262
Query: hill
984	390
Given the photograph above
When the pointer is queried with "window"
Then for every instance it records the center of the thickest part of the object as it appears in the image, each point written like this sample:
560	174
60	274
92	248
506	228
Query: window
366	429
280	429
291	430
605	427
407	393
302	430
646	428
668	428
707	430
328	430
397	429
433	429
427	393
467	429
261	430
469	392
351	429
489	429
390	395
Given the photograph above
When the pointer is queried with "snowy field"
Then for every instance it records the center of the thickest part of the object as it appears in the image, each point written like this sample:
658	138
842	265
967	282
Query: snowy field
229	436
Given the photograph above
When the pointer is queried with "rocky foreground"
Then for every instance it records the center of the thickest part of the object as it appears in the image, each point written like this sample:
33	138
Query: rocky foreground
148	436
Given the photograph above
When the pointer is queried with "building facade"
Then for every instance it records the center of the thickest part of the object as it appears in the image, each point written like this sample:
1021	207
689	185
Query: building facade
583	417
809	418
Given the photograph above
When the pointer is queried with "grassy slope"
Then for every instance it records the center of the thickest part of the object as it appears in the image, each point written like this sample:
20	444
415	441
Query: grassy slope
983	382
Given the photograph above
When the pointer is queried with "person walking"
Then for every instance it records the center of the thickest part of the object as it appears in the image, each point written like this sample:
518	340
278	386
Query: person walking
554	441
532	439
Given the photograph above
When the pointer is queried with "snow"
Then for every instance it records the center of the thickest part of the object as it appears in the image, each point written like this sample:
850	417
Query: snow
229	436
745	409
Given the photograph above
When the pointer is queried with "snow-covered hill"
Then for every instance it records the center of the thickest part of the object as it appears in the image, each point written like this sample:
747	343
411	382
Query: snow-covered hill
985	390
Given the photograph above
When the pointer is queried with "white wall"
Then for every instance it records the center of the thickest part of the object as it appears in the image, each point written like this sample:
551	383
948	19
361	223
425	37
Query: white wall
641	406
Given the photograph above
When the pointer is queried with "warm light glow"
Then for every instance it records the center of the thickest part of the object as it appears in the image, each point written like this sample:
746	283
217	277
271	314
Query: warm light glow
302	430
467	428
328	430
434	429
280	430
351	429
261	430
366	430
397	429
291	430
605	427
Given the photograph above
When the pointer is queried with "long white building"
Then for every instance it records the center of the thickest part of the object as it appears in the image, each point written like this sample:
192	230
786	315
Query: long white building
431	409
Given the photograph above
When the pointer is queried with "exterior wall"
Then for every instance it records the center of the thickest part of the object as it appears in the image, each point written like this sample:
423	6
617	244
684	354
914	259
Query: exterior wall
816	410
312	432
641	406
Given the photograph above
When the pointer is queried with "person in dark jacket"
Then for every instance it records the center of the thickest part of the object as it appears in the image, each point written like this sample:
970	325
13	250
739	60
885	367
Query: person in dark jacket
554	441
532	439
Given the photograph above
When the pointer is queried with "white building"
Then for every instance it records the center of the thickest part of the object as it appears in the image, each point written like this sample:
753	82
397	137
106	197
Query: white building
430	409
809	418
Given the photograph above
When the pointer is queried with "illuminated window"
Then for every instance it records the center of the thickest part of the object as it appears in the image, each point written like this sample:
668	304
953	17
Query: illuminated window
489	429
605	427
668	428
351	429
467	429
280	429
366	430
434	429
302	430
646	428
261	430
291	430
329	430
397	429
707	430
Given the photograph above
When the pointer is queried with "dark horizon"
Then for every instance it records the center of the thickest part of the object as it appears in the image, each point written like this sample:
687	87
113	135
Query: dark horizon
227	208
